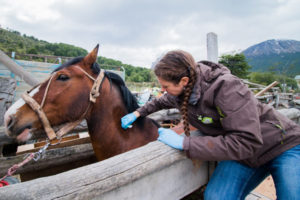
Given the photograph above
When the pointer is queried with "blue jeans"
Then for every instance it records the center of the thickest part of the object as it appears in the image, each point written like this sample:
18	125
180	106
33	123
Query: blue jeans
233	180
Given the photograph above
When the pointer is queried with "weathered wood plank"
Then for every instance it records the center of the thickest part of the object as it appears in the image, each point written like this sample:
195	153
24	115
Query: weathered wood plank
4	139
154	171
291	113
7	88
19	71
53	157
266	89
166	114
81	138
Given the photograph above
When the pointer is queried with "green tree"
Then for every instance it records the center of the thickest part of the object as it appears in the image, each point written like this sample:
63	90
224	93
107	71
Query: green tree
282	70
266	78
32	51
135	77
237	64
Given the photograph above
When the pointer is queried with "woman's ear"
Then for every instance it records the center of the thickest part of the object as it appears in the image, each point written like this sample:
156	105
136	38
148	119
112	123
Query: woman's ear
184	81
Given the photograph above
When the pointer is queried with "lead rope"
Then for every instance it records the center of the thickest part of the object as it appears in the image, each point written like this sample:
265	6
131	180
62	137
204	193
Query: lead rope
35	156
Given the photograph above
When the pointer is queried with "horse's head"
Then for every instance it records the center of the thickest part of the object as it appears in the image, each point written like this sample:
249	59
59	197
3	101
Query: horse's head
63	98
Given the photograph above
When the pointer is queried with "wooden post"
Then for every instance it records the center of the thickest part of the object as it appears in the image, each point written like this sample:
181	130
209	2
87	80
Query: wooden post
266	89
16	69
7	89
4	139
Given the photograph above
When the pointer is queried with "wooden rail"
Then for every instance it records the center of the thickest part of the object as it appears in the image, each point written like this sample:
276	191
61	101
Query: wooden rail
4	139
154	171
53	157
19	71
266	89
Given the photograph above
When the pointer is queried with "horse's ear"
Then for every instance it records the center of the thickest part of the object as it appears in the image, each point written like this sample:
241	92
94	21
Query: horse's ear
92	56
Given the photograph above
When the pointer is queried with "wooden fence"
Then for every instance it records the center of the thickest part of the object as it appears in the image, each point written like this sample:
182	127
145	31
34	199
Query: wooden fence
154	171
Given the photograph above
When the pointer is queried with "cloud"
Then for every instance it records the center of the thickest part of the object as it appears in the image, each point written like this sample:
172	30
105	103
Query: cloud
136	32
32	11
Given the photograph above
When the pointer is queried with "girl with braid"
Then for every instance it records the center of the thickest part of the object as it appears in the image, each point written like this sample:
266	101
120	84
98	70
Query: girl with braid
250	139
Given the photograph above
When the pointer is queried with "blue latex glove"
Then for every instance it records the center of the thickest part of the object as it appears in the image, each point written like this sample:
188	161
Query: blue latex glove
127	120
170	138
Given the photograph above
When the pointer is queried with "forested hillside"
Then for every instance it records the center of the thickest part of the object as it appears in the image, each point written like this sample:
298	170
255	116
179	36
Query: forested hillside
23	44
281	56
11	40
284	63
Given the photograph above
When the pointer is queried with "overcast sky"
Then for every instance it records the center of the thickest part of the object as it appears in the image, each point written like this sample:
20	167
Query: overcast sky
138	31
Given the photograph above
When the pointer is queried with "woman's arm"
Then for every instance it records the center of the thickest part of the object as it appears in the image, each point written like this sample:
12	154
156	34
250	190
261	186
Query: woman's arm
164	102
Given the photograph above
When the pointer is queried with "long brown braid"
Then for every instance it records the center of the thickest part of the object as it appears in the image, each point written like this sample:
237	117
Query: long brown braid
172	67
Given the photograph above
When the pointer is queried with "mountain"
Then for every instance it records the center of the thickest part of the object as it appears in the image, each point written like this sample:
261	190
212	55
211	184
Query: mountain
281	55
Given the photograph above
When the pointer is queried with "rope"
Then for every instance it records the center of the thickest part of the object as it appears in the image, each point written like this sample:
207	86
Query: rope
46	91
86	73
14	168
35	156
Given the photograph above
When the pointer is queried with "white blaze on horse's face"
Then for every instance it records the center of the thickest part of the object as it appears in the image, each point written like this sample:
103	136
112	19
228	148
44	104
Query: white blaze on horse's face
16	106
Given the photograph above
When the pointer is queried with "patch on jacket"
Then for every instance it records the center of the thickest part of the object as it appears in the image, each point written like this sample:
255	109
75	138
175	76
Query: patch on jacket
205	120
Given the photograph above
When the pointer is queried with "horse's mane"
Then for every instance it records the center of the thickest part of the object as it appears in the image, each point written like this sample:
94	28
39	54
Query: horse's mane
129	100
69	63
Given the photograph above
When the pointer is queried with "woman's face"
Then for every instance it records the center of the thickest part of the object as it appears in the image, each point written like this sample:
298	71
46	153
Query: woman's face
172	88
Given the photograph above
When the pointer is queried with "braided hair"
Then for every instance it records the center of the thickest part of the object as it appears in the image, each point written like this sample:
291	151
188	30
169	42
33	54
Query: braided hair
173	66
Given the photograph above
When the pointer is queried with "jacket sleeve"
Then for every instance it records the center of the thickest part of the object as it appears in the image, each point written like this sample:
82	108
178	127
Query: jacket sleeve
241	125
164	102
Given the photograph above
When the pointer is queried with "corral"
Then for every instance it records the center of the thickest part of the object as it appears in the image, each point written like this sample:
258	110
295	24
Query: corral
154	171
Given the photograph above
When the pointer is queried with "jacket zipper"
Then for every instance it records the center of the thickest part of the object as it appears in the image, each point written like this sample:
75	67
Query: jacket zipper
283	132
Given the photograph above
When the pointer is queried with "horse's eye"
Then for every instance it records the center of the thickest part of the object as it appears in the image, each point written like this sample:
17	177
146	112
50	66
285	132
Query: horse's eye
62	77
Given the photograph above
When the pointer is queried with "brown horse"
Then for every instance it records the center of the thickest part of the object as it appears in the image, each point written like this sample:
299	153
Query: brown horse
64	98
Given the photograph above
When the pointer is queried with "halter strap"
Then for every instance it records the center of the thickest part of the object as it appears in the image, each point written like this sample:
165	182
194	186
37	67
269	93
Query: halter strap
42	116
94	93
46	91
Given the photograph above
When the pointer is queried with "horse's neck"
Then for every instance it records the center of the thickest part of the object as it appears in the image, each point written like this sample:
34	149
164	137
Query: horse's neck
106	115
104	123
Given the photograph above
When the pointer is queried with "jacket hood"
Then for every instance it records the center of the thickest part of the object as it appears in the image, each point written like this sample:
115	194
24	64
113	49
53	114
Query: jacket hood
206	72
211	71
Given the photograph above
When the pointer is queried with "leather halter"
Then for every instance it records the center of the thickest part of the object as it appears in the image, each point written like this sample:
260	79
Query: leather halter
94	93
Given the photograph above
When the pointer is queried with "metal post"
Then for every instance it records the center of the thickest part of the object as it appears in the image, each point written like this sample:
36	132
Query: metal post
212	55
212	47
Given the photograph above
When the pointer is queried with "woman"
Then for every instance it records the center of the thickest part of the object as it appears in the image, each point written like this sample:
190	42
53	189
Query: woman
251	139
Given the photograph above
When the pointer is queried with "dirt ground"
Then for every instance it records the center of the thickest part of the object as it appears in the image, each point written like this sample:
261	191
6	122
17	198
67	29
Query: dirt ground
267	188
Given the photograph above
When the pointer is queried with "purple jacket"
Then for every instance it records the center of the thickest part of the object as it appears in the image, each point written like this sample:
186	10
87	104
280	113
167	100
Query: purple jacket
235	124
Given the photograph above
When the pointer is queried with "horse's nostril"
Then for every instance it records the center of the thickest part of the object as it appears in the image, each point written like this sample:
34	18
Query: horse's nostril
10	122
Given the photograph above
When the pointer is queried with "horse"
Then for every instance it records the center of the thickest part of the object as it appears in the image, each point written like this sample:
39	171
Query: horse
79	89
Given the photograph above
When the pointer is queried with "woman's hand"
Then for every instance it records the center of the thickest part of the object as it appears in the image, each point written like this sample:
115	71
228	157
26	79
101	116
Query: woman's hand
128	119
170	138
